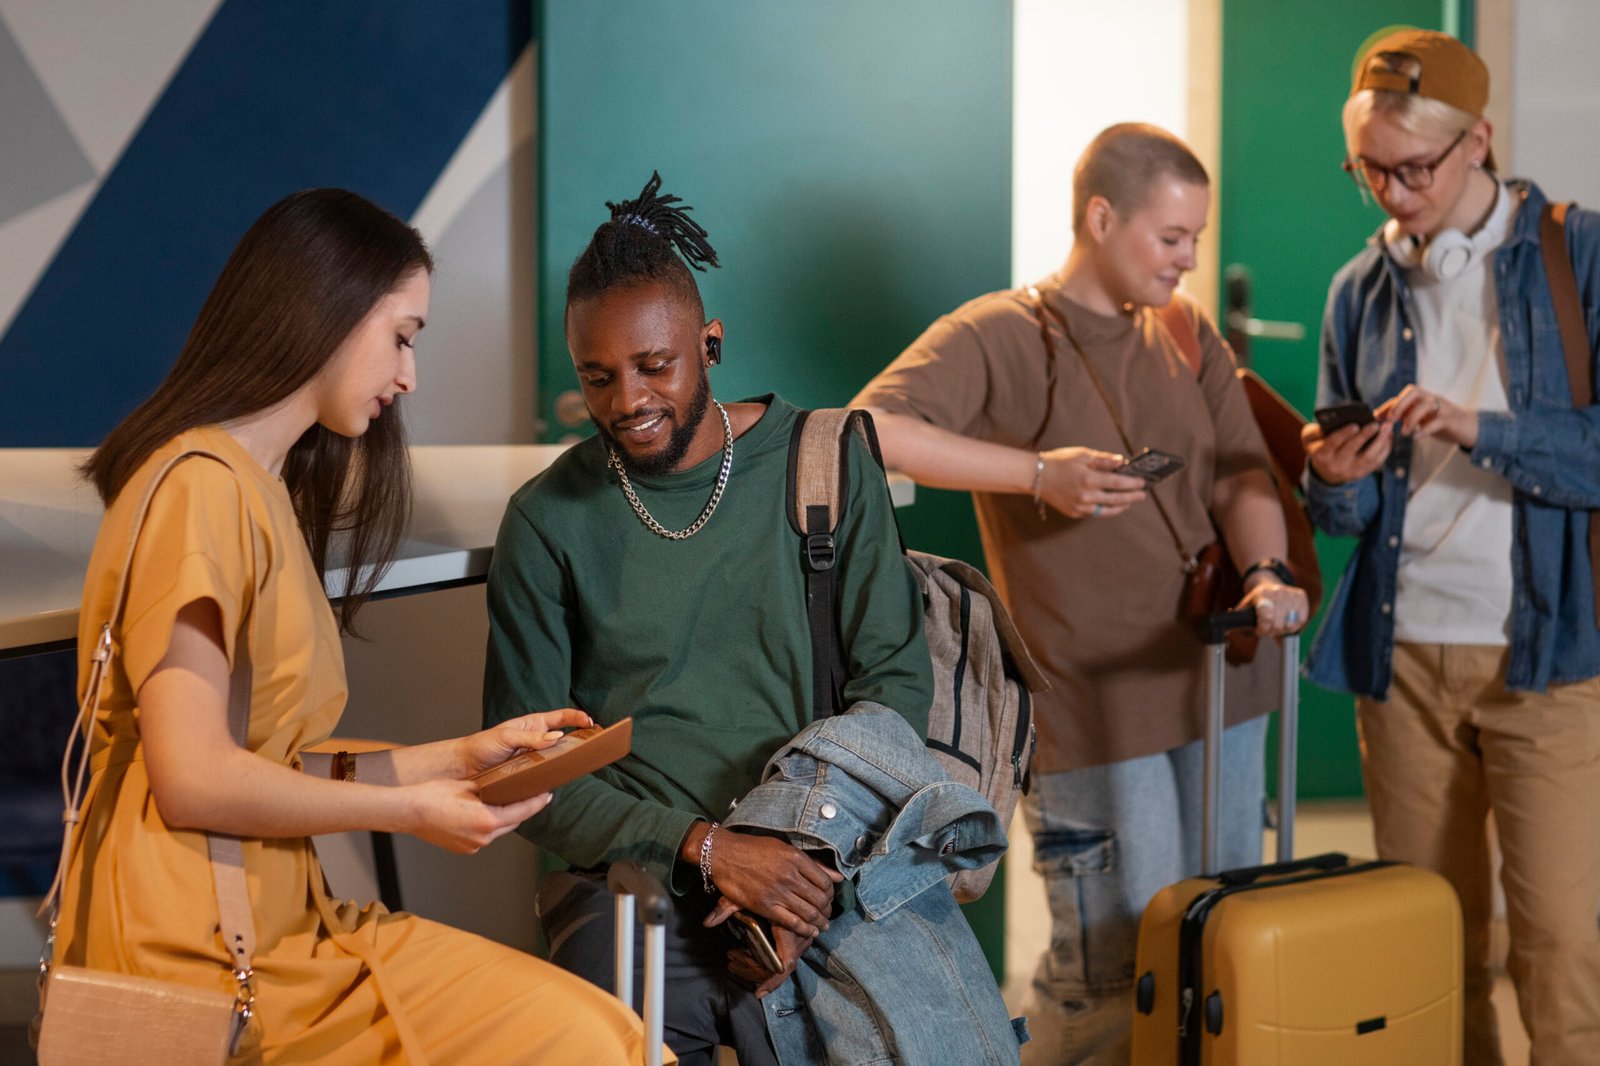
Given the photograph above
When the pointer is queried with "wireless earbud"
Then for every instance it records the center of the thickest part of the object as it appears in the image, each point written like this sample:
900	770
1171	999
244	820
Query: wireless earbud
714	350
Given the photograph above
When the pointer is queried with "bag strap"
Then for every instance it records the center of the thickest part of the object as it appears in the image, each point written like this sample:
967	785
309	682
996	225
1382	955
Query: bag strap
1040	309
1574	342
1180	327
226	852
818	489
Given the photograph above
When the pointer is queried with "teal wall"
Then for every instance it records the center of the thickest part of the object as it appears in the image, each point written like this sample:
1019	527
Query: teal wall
851	162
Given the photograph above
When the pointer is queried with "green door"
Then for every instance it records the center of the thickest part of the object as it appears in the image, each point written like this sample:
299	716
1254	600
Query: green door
1289	219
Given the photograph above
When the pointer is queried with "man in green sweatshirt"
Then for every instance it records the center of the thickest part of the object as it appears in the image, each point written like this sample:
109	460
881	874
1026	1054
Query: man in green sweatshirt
652	572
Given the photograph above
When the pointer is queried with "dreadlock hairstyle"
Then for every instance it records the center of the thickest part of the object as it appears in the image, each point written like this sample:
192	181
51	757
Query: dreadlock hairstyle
649	238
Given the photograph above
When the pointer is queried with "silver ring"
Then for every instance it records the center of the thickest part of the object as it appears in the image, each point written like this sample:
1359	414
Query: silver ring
1264	605
1096	512
1292	618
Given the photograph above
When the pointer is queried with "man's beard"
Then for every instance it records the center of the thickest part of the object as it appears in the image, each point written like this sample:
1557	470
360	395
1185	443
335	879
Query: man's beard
665	460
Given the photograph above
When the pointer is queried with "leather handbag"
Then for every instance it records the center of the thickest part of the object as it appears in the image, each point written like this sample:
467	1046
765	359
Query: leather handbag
100	1018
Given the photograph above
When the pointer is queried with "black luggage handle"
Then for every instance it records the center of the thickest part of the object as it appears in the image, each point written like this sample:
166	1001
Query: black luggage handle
1214	628
650	899
1332	860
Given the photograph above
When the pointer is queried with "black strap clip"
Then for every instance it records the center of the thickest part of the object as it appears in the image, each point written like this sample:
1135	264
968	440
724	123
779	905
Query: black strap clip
819	551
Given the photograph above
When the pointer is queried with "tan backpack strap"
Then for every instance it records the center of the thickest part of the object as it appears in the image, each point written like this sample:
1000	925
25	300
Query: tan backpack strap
816	458
818	489
1574	343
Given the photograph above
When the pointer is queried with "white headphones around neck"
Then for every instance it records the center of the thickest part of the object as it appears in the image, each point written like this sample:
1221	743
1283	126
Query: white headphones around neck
1445	256
1448	253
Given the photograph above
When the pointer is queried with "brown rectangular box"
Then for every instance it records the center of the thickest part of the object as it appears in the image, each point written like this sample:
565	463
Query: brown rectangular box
580	752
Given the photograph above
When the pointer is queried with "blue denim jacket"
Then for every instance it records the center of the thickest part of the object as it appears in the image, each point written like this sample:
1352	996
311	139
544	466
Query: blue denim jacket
1549	451
898	977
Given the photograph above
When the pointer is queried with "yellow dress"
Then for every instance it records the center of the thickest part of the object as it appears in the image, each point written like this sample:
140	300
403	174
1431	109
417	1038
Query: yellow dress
334	983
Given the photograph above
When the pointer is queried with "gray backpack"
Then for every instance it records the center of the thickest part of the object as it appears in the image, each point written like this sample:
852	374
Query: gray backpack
981	724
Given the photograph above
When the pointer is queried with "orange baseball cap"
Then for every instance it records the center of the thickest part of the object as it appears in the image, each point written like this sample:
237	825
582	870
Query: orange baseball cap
1450	72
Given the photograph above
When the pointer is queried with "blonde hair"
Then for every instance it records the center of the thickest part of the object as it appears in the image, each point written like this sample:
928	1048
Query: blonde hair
1123	161
1421	116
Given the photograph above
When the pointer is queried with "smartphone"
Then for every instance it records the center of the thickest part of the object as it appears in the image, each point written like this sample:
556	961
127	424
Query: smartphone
1151	465
756	935
1340	415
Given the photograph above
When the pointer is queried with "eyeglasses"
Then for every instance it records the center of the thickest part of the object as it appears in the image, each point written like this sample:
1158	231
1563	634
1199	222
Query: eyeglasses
1370	177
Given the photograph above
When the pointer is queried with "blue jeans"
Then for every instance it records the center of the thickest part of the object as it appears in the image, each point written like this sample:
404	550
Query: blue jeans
1106	839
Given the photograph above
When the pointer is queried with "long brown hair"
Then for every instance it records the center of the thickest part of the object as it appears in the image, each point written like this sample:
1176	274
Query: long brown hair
301	279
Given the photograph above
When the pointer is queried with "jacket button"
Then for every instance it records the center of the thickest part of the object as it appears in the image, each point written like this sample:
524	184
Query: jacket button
1394	541
861	845
1406	333
1536	490
1485	462
1400	471
1385	608
829	810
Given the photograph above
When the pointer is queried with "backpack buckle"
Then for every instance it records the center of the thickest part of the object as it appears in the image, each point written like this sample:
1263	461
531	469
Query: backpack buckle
819	551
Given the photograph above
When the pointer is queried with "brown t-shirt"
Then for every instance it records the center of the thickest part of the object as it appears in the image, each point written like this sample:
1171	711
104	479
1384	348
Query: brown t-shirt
1096	599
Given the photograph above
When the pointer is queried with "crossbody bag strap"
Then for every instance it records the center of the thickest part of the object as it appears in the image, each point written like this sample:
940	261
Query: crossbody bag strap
227	854
1040	309
1574	343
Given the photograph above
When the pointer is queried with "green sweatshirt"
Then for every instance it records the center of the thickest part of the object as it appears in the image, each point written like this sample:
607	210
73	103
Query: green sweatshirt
703	641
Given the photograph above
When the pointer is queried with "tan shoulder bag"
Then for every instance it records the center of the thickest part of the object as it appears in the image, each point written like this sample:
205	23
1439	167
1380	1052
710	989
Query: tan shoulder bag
99	1018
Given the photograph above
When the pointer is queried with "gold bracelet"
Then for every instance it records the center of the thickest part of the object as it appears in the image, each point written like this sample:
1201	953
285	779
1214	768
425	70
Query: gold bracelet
344	767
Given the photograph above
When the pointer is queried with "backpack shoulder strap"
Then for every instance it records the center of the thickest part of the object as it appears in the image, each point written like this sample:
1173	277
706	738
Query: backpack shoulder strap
1574	341
818	489
1179	323
1568	305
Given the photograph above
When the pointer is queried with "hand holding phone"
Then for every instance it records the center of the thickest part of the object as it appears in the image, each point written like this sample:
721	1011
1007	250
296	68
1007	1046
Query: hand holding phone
755	934
1151	465
1337	416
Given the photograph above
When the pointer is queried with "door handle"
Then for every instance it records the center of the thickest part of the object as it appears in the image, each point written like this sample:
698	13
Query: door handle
1243	327
1266	329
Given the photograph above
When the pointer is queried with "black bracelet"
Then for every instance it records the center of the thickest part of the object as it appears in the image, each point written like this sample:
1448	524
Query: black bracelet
1277	567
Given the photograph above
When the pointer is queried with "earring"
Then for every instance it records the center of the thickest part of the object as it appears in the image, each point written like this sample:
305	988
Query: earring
1477	164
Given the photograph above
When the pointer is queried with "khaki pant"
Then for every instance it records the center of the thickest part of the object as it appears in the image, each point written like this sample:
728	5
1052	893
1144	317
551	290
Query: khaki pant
1452	744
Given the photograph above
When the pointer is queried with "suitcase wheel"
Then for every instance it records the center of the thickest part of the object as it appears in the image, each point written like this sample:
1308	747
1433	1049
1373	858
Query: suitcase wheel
1145	993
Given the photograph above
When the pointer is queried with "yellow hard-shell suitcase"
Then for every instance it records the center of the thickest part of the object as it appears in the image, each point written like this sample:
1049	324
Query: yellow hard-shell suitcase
1320	962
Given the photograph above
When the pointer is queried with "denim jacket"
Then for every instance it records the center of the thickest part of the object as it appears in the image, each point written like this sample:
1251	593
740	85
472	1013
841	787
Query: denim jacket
1548	450
897	977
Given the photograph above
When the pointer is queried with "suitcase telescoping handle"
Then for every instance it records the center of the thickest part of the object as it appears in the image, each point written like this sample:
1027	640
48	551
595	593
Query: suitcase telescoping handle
1214	631
630	882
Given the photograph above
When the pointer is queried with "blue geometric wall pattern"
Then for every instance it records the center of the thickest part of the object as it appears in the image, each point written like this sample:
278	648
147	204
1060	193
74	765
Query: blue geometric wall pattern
272	97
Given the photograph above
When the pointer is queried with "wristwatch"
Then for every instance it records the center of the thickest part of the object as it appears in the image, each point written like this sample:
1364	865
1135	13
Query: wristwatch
1277	567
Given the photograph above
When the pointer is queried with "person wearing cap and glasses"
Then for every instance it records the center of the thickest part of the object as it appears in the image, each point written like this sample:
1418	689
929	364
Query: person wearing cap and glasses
1466	623
1026	397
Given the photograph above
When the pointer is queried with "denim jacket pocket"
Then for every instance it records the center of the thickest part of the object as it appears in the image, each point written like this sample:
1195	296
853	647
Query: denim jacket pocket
1075	851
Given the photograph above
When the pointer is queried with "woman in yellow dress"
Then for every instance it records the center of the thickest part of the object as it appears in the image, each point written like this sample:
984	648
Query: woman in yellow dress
285	384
